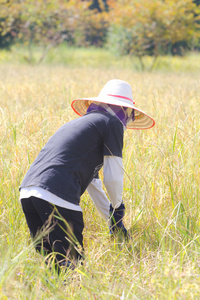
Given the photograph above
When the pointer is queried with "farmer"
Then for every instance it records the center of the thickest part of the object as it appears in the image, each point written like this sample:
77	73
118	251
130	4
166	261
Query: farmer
69	164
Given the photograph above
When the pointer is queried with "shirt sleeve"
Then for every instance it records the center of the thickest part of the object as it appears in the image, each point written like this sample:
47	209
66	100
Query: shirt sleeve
99	198
113	179
113	143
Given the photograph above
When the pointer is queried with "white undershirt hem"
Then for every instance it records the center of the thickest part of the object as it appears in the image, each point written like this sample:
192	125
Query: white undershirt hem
43	194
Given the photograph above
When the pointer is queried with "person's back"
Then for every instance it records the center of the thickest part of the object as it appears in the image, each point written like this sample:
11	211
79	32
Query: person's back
68	162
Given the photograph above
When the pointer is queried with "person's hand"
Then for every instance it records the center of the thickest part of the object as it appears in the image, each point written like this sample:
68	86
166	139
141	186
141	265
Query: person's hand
116	217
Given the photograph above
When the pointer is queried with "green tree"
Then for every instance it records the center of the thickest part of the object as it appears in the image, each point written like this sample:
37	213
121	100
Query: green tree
50	22
45	23
197	2
152	27
91	28
9	21
100	5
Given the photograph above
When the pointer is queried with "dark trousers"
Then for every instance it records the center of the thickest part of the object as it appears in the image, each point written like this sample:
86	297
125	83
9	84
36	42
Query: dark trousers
54	229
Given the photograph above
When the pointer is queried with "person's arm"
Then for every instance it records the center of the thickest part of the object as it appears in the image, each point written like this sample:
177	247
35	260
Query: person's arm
99	198
113	180
113	173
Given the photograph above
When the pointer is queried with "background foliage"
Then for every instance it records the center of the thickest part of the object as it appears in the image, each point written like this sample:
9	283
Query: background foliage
154	27
137	27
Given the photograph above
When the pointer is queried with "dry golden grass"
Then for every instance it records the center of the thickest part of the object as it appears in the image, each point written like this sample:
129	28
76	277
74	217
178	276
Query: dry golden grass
161	187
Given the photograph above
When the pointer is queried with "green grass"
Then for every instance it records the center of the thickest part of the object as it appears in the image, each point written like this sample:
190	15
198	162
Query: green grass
99	58
161	185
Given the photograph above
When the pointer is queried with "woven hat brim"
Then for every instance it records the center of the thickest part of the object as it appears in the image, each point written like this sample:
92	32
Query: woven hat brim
142	120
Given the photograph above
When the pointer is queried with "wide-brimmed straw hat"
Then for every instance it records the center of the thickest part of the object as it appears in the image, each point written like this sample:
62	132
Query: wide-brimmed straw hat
116	92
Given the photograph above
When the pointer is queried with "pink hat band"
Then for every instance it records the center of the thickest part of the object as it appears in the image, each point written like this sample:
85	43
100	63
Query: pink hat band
122	97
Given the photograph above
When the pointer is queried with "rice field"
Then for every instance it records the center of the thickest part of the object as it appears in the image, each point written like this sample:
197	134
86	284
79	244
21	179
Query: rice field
161	186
